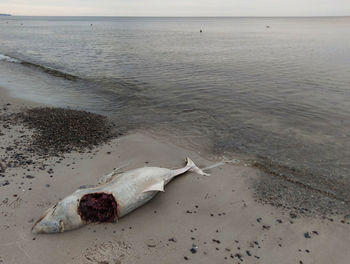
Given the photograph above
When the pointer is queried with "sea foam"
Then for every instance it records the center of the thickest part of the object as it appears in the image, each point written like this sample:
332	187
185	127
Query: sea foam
8	59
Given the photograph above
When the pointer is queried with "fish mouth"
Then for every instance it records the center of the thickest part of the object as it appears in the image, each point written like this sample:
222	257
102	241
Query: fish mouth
98	207
47	227
36	227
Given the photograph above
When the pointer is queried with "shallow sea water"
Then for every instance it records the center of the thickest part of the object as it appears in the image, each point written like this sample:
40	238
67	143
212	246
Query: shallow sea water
274	89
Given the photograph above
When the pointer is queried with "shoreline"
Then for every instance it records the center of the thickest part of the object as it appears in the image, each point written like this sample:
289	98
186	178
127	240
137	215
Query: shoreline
218	214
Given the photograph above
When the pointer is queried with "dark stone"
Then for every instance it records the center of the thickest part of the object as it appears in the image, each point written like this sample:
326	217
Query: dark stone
307	235
4	183
2	168
293	215
239	256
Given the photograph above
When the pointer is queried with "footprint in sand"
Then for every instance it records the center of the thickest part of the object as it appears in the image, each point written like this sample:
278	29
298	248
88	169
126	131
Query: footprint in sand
111	252
15	203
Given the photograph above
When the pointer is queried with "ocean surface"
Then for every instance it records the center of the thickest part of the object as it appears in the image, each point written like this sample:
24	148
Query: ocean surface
274	89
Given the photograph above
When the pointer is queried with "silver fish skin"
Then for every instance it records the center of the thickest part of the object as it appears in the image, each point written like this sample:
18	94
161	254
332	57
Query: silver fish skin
130	190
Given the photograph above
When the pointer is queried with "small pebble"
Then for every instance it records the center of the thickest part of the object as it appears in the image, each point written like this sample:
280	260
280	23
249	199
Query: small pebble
307	235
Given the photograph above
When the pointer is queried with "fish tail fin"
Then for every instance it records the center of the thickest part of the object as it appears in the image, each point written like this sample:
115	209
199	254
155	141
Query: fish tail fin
193	167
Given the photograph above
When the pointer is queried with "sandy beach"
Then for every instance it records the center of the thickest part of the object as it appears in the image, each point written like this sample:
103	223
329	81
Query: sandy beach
196	220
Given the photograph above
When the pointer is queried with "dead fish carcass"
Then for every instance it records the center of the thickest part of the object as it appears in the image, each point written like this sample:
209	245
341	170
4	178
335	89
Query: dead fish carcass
121	194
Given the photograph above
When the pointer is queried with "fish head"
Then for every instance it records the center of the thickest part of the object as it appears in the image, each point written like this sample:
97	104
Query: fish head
61	217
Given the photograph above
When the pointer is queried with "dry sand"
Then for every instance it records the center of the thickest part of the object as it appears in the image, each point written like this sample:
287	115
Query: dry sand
217	217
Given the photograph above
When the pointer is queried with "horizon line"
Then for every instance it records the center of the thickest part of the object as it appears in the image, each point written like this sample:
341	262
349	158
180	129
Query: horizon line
14	15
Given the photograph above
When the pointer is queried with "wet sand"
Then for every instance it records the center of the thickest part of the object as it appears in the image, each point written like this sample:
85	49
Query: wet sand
196	220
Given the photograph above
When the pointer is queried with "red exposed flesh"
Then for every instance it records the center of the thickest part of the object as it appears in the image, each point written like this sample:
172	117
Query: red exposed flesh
98	207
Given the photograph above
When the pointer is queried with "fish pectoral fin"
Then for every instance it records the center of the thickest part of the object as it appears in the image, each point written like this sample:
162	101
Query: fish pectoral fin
159	186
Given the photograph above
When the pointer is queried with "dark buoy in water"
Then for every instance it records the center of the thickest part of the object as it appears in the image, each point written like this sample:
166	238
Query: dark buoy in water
91	25
267	26
200	31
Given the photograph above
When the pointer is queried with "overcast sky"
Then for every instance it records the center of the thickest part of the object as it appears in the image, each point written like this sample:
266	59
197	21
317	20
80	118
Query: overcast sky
176	7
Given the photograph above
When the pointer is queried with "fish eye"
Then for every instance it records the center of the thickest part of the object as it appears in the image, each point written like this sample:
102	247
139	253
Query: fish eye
60	225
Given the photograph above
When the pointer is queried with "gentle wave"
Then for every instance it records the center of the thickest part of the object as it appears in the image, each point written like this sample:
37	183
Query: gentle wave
8	59
46	69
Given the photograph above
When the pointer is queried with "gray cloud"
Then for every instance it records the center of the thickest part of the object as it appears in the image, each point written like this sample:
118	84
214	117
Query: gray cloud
177	7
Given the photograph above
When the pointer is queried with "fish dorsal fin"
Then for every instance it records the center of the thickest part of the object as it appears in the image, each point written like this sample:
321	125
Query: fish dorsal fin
108	177
86	186
158	186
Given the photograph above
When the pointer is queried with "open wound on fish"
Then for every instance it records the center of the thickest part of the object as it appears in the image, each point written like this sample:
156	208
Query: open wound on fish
98	207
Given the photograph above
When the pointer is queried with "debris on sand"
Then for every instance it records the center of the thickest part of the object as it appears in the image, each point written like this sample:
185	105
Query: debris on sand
63	130
2	168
